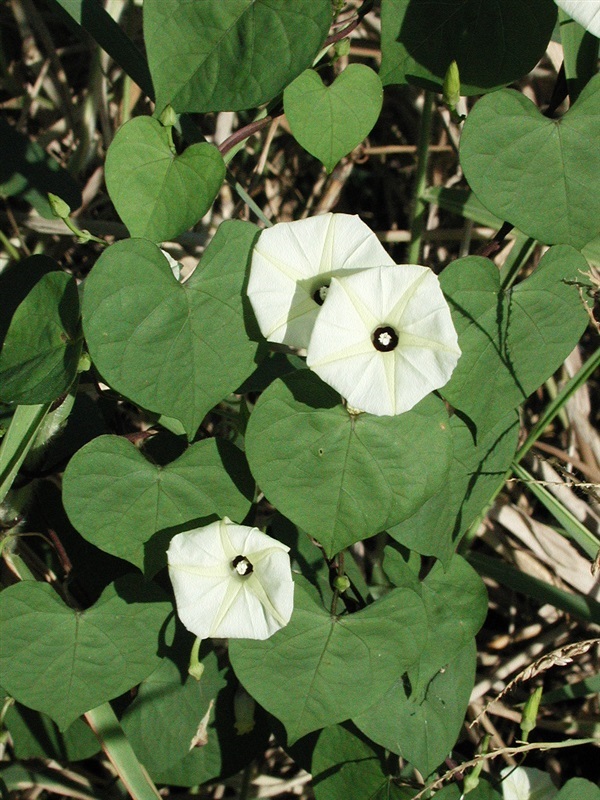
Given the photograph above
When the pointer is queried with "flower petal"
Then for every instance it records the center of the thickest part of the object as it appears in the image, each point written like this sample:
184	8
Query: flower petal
527	783
407	298
585	12
287	260
213	599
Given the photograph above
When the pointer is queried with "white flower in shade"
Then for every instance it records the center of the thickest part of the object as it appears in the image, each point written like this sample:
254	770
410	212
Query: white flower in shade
527	783
292	266
231	581
384	338
585	12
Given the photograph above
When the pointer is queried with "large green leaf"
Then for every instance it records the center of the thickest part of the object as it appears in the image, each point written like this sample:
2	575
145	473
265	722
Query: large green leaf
542	175
341	477
157	193
423	730
129	507
494	42
173	706
65	662
511	341
345	764
456	603
39	359
330	121
321	669
420	716
219	55
478	467
177	349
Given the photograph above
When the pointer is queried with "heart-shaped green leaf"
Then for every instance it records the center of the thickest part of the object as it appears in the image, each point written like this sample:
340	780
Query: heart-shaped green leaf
542	175
216	56
174	348
346	764
341	477
128	506
173	707
493	42
424	729
39	359
65	662
158	194
421	717
478	468
321	669
330	121
511	341
456	605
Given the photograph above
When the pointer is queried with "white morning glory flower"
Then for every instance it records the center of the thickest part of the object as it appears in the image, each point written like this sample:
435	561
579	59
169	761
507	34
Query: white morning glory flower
292	266
527	783
231	581
585	12
384	338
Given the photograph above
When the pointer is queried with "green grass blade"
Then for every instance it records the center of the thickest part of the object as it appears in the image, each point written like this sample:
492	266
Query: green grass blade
572	527
554	408
103	721
90	15
20	778
571	691
584	608
461	202
24	426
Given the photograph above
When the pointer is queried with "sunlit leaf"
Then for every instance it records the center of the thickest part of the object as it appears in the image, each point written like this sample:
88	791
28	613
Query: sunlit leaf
130	507
158	194
76	660
222	55
337	666
330	121
540	174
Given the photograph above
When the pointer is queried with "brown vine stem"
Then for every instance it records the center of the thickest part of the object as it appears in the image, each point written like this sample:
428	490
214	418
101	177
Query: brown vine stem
362	12
245	133
491	248
508	751
335	37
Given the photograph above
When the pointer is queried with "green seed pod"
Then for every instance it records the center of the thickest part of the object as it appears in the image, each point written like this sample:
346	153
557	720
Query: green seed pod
59	208
530	712
452	86
341	583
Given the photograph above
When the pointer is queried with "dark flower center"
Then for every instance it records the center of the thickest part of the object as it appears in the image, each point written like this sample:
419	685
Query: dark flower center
242	566
385	339
320	294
